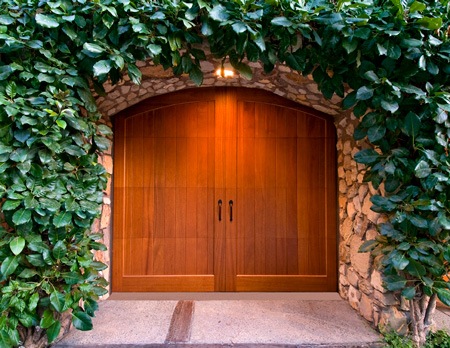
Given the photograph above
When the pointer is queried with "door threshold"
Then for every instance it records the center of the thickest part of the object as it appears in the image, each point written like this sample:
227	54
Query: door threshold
224	296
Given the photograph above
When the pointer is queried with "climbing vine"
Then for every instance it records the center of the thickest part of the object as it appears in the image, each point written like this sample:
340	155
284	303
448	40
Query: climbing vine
389	59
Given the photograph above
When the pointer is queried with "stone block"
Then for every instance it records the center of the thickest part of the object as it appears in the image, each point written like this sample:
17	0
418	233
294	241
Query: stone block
365	287
360	261
366	307
352	277
348	162
393	319
344	253
347	150
360	225
357	204
343	291
362	192
347	230
105	220
371	215
354	297
351	212
386	299
376	281
352	192
371	234
350	129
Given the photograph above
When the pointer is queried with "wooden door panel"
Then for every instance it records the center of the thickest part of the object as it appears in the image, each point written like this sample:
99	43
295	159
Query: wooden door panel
281	179
178	155
164	236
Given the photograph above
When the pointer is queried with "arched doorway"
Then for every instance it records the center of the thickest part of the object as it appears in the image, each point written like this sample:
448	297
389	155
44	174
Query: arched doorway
224	189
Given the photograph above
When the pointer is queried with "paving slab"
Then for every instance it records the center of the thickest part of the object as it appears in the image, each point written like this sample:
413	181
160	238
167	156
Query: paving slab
120	323
280	322
225	323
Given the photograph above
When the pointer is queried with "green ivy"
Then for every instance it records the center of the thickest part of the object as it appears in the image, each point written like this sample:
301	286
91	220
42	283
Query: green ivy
389	59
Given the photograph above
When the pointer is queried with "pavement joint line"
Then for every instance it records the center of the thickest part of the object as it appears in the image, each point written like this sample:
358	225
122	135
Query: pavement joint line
181	322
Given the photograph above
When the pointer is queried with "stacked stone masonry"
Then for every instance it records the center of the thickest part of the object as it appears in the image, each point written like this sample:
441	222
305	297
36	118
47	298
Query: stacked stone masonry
359	281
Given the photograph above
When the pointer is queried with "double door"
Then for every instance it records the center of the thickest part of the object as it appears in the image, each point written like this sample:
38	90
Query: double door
224	189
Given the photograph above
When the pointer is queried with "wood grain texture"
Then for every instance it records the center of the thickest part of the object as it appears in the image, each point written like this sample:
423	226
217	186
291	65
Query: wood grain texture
177	155
181	322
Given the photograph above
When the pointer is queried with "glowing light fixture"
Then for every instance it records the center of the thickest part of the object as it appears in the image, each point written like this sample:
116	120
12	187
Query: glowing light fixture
225	71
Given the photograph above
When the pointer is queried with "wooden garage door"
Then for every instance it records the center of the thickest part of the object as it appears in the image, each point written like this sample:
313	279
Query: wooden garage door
224	190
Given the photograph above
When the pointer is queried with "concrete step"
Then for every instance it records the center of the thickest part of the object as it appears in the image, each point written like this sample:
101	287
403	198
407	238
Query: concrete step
285	323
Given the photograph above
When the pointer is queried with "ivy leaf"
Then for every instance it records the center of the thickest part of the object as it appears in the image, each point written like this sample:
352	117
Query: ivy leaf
5	71
281	21
90	306
46	21
376	133
10	204
81	320
394	282
134	73
422	169
102	67
33	301
399	260
244	70
409	293
350	45
219	13
53	331
259	41
21	216
367	156
412	124
72	278
430	23
104	130
196	75
61	124
59	250
391	106
364	93
154	49
56	301
349	100
88	99
239	27
27	273
47	319
415	268
17	245
443	295
9	265
6	19
92	50
62	219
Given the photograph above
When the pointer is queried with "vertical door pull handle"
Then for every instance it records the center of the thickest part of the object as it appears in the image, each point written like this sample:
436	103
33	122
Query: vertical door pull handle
231	210
220	209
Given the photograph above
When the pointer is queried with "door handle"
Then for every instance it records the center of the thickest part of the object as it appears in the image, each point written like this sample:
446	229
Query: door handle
219	203
230	203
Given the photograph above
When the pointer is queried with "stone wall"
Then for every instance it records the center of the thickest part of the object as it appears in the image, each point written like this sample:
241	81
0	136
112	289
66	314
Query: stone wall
359	282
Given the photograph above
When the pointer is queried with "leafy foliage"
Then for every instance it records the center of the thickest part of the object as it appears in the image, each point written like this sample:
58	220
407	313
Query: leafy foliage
389	59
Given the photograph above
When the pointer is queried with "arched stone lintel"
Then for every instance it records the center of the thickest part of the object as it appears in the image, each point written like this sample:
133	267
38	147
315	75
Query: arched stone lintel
282	81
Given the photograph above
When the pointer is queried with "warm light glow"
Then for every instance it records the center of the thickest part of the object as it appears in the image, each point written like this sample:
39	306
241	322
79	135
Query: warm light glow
222	72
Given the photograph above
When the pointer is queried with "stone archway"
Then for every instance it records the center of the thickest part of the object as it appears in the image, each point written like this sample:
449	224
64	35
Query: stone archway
358	282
